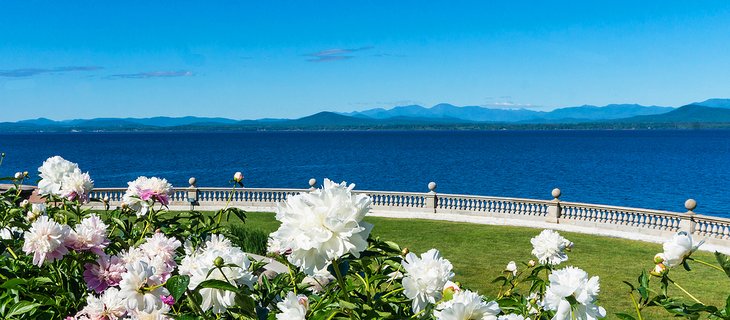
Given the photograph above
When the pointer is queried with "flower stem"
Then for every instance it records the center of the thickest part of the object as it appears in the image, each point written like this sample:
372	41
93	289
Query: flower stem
685	291
340	279
636	305
707	264
12	253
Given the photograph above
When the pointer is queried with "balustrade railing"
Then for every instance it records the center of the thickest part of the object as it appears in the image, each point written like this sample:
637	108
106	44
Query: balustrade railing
625	219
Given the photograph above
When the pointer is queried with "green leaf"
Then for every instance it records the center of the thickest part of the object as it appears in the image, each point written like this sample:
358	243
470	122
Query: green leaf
724	262
624	316
13	283
177	285
217	284
21	308
347	305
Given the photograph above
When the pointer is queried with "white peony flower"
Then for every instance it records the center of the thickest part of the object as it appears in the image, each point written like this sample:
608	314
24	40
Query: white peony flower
76	186
89	235
511	316
132	255
323	225
158	245
8	233
574	283
679	248
141	289
549	247
511	268
45	240
109	306
294	307
425	277
52	172
143	192
157	314
200	265
467	305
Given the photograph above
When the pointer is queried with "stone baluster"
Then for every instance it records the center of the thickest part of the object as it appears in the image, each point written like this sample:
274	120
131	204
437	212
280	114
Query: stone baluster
553	215
431	199
687	222
192	193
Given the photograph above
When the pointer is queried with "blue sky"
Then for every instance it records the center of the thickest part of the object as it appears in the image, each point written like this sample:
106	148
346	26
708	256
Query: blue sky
243	60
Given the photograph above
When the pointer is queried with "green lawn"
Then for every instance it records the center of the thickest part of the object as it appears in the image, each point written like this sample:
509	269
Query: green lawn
480	252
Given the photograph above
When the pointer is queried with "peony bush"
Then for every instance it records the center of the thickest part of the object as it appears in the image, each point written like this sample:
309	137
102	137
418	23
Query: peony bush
61	260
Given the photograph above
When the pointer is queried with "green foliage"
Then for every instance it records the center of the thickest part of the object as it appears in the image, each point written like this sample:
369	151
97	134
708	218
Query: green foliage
249	239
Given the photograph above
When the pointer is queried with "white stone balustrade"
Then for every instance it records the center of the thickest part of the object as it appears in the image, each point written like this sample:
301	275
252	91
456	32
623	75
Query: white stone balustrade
625	222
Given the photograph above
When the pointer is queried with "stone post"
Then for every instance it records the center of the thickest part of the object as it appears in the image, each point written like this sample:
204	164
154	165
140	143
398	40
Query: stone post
688	223
553	215
431	199
312	183
192	193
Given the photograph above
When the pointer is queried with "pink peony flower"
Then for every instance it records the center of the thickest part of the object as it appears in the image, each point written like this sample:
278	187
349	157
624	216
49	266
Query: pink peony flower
105	273
45	240
89	235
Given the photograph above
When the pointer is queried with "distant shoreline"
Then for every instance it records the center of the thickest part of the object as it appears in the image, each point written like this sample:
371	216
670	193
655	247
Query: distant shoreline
511	127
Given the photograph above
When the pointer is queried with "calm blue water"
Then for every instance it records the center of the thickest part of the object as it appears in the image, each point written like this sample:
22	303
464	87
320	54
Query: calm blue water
651	169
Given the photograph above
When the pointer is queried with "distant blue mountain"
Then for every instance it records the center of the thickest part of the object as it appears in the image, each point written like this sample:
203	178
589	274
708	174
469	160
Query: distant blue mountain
712	111
482	114
117	122
714	103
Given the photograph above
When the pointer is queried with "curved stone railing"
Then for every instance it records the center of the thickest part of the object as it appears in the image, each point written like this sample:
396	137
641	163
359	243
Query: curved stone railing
625	222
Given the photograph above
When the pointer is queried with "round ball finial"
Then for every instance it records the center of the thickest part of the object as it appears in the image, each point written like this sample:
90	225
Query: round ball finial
556	193
432	186
312	182
192	181
690	204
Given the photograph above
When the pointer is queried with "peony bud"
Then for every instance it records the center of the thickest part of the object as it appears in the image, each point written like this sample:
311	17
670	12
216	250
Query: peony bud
511	268
24	203
25	173
659	270
218	262
18	175
106	199
238	177
405	251
659	258
531	263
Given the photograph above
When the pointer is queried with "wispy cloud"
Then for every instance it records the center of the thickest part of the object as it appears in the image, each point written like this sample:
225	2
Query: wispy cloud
153	74
334	54
30	72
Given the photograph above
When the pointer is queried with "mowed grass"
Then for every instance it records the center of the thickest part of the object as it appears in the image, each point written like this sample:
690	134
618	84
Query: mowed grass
479	253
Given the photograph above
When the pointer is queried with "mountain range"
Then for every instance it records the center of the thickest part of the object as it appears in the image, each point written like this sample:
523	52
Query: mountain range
708	113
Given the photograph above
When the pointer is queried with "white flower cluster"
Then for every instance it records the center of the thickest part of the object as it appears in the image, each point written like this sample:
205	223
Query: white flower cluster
213	261
572	283
47	240
549	247
63	178
131	284
142	193
425	278
323	225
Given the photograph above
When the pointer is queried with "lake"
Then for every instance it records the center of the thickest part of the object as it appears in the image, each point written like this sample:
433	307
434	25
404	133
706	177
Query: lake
657	169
